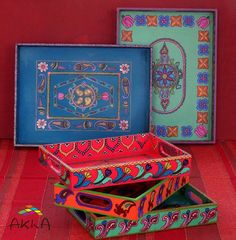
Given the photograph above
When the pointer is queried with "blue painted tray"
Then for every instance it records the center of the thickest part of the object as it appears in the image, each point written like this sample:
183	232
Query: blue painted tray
73	92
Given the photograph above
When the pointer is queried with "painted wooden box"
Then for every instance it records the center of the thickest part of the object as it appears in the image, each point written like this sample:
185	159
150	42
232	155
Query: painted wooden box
114	161
129	201
187	207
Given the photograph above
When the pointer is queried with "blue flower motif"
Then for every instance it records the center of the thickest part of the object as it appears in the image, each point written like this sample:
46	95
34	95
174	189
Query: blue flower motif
203	49
161	131
202	104
164	21
186	131
202	78
188	21
140	20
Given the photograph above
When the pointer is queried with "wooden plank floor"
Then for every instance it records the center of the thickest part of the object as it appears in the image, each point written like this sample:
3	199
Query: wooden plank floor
24	182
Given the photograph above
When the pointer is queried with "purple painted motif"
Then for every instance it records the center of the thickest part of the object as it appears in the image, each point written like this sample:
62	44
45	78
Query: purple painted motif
208	215
189	216
105	227
170	219
148	222
126	226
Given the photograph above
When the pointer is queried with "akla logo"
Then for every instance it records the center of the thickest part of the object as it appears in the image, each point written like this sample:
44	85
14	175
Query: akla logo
27	222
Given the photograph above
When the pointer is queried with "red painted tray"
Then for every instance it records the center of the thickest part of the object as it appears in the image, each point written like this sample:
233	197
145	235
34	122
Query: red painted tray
114	161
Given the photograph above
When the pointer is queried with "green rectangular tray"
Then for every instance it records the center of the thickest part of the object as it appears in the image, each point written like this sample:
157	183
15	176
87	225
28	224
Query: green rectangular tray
187	207
183	68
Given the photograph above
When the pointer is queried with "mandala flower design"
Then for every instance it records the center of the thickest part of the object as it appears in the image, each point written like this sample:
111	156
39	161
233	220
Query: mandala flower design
124	125
164	21
202	104
165	76
202	78
124	68
140	20
203	49
41	123
188	21
161	131
186	131
42	66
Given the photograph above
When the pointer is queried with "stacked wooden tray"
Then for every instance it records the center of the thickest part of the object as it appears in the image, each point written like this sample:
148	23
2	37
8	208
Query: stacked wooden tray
99	182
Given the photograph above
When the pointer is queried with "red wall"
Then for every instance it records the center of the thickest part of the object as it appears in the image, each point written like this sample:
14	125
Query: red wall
94	21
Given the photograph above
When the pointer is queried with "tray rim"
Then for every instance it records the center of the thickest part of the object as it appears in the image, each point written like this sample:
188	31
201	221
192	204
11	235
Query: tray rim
215	47
17	49
186	155
157	183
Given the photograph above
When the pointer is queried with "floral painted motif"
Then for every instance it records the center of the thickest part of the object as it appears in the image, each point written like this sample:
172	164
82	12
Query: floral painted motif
203	63
203	22
124	68
164	21
202	104
202	91
151	21
126	36
188	21
124	125
140	20
186	131
42	66
201	131
203	36
161	131
105	227
172	131
176	21
127	21
202	78
41	123
202	117
203	49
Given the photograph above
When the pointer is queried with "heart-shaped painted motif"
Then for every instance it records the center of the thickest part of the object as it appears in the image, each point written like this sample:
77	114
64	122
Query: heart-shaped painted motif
127	141
52	148
165	103
98	145
112	143
83	147
66	148
142	139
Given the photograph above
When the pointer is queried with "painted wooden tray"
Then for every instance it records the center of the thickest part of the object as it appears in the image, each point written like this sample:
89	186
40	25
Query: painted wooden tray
113	161
73	92
183	68
187	207
129	201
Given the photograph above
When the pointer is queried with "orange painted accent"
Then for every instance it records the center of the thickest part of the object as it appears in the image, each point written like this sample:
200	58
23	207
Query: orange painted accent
202	91
151	21
172	131
203	63
203	36
126	36
116	201
176	21
202	117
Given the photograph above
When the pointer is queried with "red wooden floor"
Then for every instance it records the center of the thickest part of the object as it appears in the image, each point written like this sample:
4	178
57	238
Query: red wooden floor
24	182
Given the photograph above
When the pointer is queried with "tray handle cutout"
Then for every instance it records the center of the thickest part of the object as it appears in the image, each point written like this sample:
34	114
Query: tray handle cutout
91	201
54	165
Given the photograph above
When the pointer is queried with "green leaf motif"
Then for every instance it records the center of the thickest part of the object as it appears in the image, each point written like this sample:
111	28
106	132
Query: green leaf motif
99	177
